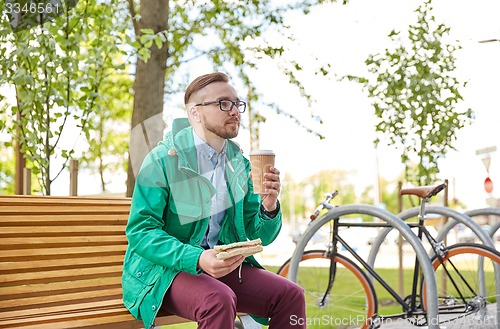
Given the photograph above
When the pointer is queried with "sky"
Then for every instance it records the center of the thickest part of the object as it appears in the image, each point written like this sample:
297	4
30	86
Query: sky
344	36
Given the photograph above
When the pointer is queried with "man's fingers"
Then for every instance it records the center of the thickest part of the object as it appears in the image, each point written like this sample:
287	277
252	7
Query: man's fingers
219	268
219	273
234	260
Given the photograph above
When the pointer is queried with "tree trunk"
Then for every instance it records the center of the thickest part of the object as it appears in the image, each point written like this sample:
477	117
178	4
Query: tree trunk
147	118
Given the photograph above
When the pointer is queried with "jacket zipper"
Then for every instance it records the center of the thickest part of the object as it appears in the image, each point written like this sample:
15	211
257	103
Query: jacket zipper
193	174
235	176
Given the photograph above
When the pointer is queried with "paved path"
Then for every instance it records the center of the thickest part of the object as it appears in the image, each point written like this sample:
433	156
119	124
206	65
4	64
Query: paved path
490	323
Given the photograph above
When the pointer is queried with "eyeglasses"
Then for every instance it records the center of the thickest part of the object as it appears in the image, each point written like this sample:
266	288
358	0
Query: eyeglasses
226	105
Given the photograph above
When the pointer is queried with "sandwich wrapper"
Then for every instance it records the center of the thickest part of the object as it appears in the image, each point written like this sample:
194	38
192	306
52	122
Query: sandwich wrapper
245	248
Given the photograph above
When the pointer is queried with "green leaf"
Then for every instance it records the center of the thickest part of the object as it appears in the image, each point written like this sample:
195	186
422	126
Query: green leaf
410	99
159	43
147	31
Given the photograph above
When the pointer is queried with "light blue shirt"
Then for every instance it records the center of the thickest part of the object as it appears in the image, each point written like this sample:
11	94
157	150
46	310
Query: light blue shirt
211	164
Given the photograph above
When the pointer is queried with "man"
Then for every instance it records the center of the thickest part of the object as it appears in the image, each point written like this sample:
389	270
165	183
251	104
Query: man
194	191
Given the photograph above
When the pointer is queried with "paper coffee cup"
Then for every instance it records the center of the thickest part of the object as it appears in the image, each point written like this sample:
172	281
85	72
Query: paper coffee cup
261	161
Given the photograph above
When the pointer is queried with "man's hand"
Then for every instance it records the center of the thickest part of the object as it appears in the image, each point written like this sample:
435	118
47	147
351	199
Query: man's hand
273	187
215	267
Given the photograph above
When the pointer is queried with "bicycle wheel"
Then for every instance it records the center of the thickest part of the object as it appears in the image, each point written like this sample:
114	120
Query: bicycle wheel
351	302
463	301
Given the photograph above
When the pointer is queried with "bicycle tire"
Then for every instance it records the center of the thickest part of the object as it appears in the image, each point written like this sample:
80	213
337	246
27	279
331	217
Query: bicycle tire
357	308
476	309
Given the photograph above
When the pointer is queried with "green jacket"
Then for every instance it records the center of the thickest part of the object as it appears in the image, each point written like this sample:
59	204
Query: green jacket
169	217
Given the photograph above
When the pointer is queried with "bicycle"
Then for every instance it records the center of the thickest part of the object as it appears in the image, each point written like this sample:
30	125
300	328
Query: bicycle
344	293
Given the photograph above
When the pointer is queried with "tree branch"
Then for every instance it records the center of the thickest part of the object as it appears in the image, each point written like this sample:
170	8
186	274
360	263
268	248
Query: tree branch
133	13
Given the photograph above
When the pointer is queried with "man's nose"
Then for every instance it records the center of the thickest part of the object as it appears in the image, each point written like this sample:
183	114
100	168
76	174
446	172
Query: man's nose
234	111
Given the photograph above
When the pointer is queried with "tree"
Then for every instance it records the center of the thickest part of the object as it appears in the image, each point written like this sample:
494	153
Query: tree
109	129
57	69
298	199
169	35
416	97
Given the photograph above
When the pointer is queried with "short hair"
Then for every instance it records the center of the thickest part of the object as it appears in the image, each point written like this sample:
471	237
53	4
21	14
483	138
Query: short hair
203	81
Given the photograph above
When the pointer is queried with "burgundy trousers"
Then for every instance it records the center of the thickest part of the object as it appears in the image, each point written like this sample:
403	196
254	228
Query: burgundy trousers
213	303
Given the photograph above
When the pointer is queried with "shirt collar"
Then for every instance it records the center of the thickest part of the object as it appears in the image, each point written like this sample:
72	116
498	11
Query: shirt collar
206	150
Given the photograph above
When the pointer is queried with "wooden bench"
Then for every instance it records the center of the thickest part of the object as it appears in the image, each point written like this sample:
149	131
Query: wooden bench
61	263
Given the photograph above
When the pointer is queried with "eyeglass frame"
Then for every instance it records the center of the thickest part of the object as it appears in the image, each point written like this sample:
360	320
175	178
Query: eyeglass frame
233	104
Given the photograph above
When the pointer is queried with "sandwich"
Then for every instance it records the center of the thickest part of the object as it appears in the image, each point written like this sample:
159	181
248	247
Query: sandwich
245	248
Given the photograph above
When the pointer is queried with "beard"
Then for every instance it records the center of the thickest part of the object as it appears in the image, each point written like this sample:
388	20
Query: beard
227	129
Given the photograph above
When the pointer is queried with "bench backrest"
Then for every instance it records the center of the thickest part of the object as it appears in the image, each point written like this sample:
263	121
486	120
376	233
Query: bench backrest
61	255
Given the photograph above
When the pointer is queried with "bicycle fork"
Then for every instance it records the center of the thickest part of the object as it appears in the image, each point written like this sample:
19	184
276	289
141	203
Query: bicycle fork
331	252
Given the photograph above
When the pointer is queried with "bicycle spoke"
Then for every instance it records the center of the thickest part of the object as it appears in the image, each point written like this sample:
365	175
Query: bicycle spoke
351	302
467	290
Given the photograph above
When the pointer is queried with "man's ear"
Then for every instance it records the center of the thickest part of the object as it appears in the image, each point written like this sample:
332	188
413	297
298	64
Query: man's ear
195	115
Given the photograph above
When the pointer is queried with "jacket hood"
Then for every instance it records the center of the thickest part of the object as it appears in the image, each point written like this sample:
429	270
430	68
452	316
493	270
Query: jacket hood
179	124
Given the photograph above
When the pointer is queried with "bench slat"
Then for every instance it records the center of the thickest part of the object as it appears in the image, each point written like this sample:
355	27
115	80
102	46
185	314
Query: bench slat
51	242
13	200
76	315
64	297
70	308
59	253
18	267
43	290
61	261
70	210
69	313
61	231
108	321
63	275
69	220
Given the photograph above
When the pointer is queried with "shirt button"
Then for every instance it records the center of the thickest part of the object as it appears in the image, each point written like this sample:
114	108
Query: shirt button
153	307
139	274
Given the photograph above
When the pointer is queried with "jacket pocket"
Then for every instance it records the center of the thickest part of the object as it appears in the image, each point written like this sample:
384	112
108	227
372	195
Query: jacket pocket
139	277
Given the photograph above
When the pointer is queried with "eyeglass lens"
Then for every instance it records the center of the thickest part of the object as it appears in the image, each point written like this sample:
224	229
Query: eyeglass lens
227	105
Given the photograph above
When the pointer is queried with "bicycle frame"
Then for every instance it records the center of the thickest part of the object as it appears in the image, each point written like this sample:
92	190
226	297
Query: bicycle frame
408	308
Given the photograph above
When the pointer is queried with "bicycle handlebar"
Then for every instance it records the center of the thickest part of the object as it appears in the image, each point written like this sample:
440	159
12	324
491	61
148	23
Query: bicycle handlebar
323	204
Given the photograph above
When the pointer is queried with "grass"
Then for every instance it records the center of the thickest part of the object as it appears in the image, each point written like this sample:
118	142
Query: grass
391	275
386	303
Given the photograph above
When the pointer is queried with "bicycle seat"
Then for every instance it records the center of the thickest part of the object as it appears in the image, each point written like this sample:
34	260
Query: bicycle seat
423	192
